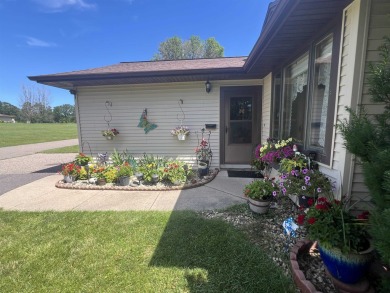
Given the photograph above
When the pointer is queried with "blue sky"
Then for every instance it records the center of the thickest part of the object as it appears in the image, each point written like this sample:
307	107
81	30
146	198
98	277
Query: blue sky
51	36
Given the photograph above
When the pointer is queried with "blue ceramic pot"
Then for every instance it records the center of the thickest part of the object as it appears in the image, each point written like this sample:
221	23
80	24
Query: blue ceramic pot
348	268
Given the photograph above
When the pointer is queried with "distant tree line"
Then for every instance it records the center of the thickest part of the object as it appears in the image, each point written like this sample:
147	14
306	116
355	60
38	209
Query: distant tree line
35	108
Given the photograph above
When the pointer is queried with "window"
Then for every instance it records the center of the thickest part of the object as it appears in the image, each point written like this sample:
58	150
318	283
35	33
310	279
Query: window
295	99
276	105
306	107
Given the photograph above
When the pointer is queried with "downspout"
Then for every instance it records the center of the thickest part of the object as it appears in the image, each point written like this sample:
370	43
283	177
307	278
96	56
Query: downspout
77	114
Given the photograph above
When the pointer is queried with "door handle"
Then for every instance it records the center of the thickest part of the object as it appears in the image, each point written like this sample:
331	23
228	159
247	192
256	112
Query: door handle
226	129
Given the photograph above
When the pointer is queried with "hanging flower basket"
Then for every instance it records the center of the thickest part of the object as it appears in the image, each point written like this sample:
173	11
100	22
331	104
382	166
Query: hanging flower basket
109	134
181	132
181	136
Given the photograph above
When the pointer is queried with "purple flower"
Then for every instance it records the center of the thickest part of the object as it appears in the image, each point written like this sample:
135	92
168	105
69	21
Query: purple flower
319	190
281	184
293	172
274	193
307	178
304	171
284	176
303	187
284	190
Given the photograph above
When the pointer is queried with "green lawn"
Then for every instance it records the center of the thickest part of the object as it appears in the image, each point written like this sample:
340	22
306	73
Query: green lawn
130	252
22	133
63	150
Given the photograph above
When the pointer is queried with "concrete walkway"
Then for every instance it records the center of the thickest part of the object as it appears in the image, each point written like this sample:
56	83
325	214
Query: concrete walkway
42	195
29	149
27	183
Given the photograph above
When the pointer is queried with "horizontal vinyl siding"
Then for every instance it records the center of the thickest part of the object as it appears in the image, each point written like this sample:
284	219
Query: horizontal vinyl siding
161	102
379	26
266	108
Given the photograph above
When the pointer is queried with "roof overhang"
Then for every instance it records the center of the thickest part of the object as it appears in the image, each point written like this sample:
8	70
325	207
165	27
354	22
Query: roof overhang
72	81
290	27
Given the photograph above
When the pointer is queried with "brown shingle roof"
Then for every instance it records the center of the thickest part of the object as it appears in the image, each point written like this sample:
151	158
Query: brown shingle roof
162	66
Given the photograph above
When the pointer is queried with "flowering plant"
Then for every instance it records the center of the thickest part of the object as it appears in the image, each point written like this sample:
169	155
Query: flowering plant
273	151
264	189
124	170
110	132
203	151
175	171
82	159
331	223
180	130
308	182
70	169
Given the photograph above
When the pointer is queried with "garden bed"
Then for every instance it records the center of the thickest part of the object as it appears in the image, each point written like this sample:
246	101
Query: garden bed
160	186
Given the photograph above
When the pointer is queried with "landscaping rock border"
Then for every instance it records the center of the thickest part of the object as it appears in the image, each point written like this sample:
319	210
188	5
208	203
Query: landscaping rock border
84	185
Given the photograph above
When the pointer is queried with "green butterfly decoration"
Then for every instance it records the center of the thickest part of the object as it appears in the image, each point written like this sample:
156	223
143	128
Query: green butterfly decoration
145	124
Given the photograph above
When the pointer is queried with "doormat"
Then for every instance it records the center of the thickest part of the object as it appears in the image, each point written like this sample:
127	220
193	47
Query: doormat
244	174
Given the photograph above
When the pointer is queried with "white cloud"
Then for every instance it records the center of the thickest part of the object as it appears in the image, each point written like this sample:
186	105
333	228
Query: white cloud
62	5
34	42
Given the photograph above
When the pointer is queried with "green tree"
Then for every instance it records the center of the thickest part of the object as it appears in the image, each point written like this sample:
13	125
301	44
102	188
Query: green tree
9	109
171	49
174	48
64	114
212	49
368	138
35	107
193	48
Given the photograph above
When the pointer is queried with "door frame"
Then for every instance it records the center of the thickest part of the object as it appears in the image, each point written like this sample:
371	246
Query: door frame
226	92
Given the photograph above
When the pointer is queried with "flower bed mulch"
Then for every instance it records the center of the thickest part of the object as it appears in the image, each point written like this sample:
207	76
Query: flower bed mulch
85	185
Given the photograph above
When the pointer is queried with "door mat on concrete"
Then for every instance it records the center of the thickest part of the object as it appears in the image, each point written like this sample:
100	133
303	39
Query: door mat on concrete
244	174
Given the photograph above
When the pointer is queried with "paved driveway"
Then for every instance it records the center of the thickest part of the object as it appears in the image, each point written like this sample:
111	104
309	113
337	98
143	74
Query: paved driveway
20	165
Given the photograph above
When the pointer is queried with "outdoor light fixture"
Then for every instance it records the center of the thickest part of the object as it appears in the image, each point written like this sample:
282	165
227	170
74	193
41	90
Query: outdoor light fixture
208	86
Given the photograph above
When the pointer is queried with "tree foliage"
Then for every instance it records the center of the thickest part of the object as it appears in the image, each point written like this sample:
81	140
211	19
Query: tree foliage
9	109
175	48
368	138
64	114
35	105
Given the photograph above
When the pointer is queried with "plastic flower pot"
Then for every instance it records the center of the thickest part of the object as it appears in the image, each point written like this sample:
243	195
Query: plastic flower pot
124	180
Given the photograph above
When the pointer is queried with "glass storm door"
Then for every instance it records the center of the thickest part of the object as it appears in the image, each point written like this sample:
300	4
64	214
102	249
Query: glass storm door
238	129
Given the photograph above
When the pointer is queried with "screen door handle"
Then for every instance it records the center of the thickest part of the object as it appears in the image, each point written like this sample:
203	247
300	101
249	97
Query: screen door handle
226	129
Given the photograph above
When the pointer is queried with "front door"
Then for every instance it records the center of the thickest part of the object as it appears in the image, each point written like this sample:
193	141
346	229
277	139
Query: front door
240	133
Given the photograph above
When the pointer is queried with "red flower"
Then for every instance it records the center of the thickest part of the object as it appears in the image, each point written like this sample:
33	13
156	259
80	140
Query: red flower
311	220
301	219
363	215
321	206
310	201
322	200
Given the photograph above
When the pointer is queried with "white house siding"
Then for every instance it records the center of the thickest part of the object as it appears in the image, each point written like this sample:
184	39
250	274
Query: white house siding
352	51
365	23
161	102
378	27
266	108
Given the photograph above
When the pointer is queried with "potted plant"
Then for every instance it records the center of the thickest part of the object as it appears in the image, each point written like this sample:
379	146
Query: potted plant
260	193
110	133
181	132
70	172
342	237
124	172
98	173
82	159
306	184
175	172
272	151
